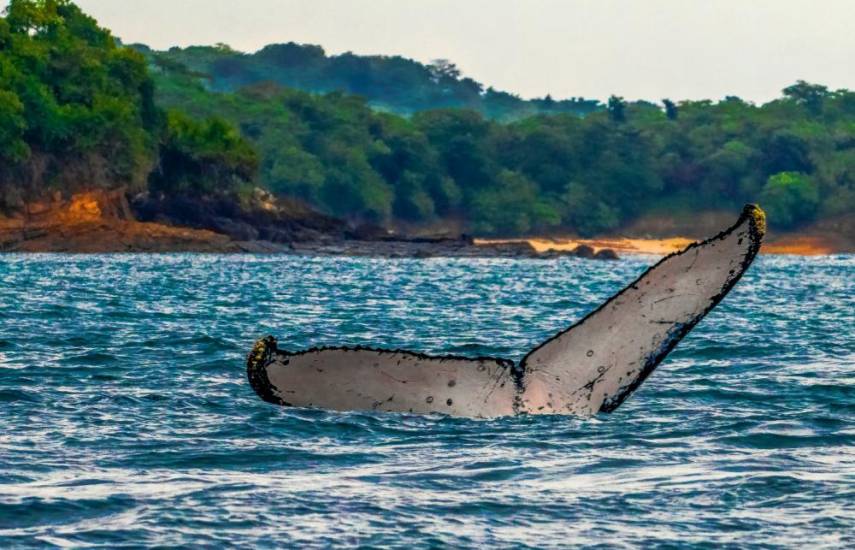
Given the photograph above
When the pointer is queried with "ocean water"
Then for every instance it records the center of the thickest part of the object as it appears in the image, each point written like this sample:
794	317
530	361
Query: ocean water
126	419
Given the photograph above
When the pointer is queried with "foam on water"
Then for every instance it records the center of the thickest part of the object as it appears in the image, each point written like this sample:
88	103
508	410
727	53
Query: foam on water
126	419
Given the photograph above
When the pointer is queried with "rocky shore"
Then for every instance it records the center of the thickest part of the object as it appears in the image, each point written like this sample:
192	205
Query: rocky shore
461	247
99	221
106	222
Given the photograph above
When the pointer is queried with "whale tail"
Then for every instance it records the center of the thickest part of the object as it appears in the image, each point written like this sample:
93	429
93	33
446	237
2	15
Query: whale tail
594	365
591	367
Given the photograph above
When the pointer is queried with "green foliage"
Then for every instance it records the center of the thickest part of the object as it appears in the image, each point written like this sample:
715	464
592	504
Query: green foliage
12	125
586	212
790	197
77	112
512	207
617	108
809	95
671	109
390	83
69	99
588	174
204	158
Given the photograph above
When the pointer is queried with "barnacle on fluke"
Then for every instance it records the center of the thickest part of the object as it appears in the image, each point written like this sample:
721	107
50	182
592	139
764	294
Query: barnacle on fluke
759	218
591	367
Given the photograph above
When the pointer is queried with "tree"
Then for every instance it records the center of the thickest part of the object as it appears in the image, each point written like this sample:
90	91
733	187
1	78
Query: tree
13	123
292	55
444	70
512	207
460	137
586	213
617	109
791	198
203	159
85	99
786	151
811	96
670	109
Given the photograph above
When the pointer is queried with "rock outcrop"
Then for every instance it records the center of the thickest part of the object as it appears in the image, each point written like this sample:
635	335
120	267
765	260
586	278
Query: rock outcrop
98	221
261	217
105	221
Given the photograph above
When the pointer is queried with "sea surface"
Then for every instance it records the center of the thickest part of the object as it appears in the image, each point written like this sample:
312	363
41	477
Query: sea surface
126	419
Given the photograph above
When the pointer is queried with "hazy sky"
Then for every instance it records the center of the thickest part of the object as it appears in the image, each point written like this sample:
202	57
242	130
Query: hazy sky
636	48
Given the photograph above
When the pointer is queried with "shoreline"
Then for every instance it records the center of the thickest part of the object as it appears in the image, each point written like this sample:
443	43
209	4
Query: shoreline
129	236
100	222
787	244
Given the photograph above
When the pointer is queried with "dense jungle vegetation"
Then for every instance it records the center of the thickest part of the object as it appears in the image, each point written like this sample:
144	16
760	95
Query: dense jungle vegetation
79	110
389	83
795	155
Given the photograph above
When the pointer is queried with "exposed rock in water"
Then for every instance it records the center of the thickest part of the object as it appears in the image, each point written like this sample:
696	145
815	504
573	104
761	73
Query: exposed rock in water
606	254
584	251
581	251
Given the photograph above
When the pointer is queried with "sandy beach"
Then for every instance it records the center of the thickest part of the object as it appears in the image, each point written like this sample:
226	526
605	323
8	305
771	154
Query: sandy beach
782	244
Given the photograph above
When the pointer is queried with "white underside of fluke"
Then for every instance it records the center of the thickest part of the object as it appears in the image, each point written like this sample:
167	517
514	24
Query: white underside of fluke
590	367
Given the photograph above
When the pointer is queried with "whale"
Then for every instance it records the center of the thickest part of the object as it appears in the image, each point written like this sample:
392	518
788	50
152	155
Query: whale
591	367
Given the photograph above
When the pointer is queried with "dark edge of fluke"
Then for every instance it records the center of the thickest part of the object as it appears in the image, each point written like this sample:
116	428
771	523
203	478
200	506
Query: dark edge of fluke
256	370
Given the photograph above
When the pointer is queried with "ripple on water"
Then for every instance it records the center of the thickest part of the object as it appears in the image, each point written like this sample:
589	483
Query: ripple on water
126	419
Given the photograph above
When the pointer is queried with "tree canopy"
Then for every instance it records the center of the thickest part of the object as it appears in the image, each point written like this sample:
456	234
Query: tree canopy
586	174
77	110
390	83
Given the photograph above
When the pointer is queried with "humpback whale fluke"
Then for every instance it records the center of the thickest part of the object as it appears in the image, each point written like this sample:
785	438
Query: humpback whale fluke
588	368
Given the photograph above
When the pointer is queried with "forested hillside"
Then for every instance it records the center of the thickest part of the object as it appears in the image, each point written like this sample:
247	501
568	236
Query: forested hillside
78	111
795	156
389	83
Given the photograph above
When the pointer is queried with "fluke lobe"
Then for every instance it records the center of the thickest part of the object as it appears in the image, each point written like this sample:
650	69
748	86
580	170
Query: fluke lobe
591	367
